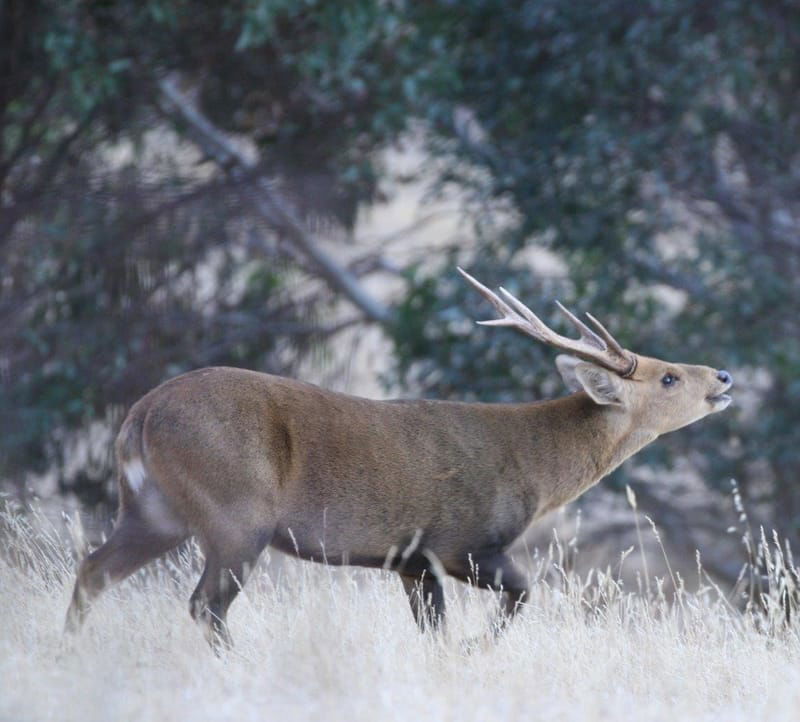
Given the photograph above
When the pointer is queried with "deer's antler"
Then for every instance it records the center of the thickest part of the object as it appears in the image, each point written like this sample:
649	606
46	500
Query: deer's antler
600	348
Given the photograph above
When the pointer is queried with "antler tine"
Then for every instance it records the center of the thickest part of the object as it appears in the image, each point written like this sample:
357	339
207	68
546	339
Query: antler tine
607	337
510	317
526	313
586	333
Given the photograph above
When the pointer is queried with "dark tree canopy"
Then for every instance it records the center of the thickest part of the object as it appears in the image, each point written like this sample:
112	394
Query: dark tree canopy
653	146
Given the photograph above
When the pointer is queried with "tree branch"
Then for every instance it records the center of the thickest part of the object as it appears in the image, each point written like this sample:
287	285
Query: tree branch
266	202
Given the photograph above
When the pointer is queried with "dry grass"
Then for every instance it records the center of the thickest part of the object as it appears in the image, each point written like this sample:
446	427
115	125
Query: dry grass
317	643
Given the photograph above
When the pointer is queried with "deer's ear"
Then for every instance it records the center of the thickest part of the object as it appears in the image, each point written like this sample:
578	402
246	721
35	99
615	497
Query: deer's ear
604	386
566	367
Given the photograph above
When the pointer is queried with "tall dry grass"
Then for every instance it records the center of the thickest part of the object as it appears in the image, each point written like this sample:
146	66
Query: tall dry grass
326	644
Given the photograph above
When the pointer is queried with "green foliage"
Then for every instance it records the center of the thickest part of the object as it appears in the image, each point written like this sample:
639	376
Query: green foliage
652	146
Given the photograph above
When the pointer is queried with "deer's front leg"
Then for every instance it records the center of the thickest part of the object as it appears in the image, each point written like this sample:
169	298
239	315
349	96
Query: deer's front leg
426	597
500	573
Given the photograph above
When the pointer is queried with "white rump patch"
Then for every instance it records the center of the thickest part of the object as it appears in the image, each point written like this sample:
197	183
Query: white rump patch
151	502
135	474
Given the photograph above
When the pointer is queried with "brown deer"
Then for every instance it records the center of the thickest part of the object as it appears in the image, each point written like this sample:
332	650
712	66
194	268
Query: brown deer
241	460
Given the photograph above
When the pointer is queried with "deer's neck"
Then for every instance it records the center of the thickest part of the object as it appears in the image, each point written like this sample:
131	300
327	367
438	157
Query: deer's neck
582	442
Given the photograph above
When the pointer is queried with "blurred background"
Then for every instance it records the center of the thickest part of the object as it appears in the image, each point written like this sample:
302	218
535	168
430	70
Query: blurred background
287	185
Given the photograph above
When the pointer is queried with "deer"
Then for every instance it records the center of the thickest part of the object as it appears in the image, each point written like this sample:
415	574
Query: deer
241	460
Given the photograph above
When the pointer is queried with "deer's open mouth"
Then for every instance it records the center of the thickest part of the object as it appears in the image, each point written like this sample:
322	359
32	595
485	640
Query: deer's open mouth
720	401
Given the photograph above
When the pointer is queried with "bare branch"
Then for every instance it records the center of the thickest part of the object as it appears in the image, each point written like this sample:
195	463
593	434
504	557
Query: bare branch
266	202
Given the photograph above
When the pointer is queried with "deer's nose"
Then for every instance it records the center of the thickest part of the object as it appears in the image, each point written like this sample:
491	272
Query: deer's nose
725	377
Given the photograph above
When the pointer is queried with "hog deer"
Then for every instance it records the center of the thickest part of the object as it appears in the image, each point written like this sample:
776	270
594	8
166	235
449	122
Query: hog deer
241	460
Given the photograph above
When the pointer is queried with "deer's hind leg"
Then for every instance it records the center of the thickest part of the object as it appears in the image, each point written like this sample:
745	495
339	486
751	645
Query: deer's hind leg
144	531
226	571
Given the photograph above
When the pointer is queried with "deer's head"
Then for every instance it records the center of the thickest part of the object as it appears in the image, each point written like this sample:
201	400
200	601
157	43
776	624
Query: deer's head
658	396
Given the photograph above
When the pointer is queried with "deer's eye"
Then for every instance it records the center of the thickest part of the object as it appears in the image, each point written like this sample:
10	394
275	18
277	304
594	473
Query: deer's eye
669	379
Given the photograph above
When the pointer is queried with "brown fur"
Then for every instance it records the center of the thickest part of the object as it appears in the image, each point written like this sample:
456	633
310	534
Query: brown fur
241	459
